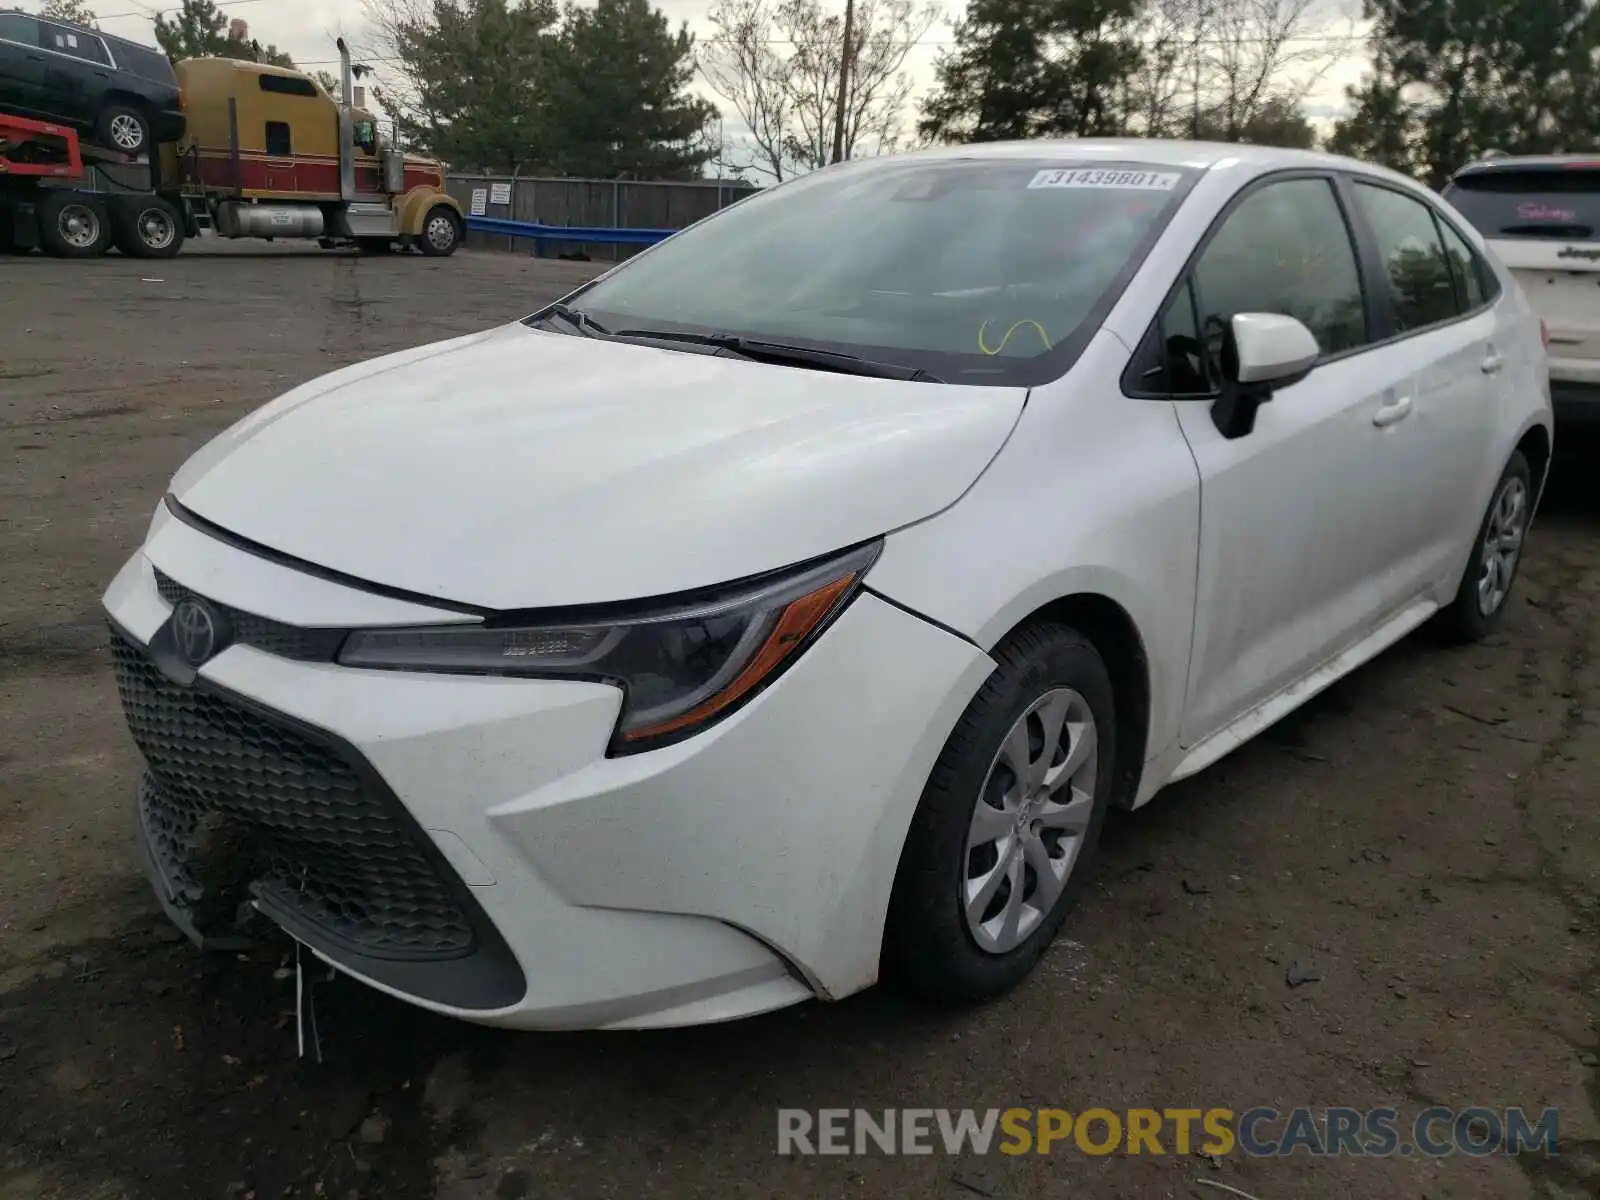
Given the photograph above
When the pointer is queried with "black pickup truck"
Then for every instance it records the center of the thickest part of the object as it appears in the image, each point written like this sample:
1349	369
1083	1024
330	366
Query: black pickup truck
117	93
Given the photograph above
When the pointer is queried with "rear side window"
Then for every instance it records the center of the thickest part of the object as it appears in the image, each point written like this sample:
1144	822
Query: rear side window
69	41
284	85
1413	256
146	64
1559	203
1466	269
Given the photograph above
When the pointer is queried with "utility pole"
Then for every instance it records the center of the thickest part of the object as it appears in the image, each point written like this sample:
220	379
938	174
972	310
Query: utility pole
845	64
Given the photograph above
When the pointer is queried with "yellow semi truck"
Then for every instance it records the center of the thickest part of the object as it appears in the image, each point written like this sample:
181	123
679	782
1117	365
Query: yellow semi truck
266	153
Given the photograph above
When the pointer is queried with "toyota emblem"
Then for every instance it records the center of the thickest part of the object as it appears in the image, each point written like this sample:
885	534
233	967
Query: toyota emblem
194	628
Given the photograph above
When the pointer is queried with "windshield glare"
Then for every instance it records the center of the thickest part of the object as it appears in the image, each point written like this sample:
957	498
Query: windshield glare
974	270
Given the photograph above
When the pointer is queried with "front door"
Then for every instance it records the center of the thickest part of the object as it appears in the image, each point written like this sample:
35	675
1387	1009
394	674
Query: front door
1297	536
77	72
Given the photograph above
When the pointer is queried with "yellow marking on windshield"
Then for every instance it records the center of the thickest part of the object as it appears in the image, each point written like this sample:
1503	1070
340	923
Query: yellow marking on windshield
984	346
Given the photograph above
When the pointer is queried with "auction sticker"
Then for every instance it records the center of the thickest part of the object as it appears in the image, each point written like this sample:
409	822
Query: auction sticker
1099	177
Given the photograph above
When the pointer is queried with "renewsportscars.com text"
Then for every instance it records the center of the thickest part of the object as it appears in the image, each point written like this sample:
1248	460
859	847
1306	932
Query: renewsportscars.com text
1256	1132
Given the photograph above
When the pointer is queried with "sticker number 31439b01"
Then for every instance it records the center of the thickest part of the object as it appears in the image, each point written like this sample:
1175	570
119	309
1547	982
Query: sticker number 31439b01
1098	177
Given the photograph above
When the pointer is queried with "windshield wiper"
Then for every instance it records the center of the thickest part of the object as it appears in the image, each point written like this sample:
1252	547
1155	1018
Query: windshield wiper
575	317
784	352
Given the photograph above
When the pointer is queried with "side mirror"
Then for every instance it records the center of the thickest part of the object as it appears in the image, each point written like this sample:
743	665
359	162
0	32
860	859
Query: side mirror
1261	352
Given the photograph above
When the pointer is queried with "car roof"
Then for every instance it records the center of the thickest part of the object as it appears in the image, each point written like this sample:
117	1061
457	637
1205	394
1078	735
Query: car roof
88	29
1158	151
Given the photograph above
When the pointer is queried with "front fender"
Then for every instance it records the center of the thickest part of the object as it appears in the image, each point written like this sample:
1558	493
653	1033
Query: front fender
417	203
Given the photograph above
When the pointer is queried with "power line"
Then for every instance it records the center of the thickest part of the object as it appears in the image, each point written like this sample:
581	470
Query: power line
1324	39
147	11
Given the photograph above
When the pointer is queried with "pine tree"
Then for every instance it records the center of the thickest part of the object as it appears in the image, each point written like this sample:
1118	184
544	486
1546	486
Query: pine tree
200	30
1025	68
621	91
1452	78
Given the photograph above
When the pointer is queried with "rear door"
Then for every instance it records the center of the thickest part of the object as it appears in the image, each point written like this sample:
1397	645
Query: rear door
1443	320
77	71
1543	221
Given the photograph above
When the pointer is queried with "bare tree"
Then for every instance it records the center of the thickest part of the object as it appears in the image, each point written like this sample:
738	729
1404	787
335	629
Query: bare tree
742	65
1229	70
778	64
1258	52
1169	33
75	11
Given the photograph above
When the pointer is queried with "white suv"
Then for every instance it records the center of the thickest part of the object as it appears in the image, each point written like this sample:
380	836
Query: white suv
1541	216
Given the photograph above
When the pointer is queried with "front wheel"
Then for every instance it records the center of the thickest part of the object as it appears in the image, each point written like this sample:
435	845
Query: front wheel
123	129
1007	823
1481	600
441	232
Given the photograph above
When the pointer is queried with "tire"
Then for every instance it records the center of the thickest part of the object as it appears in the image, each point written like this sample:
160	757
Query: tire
8	229
1480	604
73	225
146	227
441	232
123	129
932	948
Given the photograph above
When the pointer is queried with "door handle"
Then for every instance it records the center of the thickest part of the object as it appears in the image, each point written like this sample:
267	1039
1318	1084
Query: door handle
1395	410
1493	362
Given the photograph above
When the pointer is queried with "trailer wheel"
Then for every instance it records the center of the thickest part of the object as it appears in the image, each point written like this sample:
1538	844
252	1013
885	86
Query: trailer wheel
146	226
73	225
441	232
8	229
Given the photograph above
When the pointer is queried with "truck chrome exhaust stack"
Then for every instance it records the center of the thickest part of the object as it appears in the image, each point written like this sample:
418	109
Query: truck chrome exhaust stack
347	85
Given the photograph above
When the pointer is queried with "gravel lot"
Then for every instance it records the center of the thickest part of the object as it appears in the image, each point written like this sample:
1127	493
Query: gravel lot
1425	837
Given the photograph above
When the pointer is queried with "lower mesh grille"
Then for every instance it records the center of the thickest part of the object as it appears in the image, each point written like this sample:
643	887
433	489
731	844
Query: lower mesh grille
235	800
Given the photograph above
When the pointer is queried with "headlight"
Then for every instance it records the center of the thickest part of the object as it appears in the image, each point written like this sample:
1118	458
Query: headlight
680	668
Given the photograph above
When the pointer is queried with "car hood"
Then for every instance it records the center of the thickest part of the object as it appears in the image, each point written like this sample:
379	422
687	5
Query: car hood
519	468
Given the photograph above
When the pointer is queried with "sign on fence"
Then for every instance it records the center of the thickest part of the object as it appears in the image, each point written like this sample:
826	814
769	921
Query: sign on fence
500	193
480	201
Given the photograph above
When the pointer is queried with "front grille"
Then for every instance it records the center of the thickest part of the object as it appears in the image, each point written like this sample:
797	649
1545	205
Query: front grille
275	637
236	800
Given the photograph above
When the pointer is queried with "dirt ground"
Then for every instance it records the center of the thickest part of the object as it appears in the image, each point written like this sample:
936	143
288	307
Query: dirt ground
1425	837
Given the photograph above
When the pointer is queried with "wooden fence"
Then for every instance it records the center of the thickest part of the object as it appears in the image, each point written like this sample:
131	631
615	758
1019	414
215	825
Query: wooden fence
627	204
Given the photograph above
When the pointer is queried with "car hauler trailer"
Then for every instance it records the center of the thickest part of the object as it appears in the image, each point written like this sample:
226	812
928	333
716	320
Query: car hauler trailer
266	154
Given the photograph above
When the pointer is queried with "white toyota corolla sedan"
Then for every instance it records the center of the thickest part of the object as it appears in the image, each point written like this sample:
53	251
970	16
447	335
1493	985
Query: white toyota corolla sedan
787	607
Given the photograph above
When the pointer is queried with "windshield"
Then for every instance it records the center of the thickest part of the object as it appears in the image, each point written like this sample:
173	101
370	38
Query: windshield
976	271
1560	203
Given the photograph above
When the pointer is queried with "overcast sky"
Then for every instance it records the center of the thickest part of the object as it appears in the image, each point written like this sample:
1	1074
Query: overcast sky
306	29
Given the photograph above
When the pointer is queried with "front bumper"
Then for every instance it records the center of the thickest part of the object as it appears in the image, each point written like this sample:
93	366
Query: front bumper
494	864
170	125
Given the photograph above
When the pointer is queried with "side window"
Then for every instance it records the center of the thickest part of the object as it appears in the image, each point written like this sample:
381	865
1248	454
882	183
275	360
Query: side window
287	85
1466	269
1419	274
1285	249
279	144
70	41
1184	361
15	27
